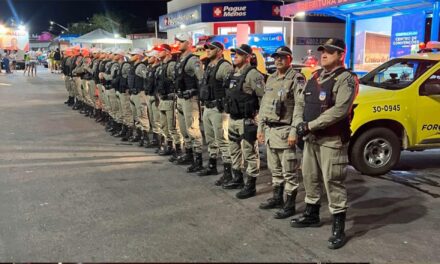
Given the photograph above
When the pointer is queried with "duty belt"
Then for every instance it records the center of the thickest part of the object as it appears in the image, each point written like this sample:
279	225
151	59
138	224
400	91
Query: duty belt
210	104
275	124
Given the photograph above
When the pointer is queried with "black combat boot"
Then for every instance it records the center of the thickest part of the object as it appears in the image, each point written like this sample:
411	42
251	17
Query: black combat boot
310	217
167	150
236	183
144	139
128	134
337	239
227	175
161	144
75	106
67	102
98	115
197	164
288	209
83	108
249	189
136	136
71	101
117	129
276	201
154	143
187	158
86	110
122	132
92	112
177	153
109	124
211	169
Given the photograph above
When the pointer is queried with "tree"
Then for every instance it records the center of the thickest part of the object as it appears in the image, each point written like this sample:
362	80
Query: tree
109	22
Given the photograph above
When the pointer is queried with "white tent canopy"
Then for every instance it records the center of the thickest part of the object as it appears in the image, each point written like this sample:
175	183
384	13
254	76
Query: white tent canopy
100	36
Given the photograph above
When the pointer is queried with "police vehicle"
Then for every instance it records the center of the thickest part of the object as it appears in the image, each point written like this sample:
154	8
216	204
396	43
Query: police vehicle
397	108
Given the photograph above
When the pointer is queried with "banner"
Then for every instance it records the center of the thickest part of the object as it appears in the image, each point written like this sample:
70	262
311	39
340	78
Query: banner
267	42
311	5
407	32
241	11
14	40
186	16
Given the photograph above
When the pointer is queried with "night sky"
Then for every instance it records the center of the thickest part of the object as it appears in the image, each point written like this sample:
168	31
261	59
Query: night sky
37	13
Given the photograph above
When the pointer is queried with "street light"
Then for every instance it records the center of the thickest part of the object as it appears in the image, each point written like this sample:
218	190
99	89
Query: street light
292	18
61	26
3	29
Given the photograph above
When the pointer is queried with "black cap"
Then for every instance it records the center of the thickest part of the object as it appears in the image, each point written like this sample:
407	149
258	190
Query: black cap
282	51
214	44
333	45
244	49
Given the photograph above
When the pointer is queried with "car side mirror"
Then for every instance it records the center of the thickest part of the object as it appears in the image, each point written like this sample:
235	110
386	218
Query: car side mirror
430	89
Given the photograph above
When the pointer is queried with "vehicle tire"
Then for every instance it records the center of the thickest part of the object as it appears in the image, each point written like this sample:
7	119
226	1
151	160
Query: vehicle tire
376	151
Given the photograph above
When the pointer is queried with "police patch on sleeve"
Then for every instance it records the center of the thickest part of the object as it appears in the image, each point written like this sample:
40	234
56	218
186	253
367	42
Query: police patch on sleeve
259	81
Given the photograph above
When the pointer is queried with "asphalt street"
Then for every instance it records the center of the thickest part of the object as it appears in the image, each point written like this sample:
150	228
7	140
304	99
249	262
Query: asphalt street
71	192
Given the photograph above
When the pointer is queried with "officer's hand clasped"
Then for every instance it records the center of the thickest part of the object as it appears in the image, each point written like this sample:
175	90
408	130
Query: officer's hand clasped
302	129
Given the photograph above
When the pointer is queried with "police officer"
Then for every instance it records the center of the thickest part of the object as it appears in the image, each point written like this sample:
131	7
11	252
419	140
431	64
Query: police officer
275	130
150	90
126	114
111	71
97	98
86	77
215	120
103	98
77	62
66	64
167	106
246	86
188	74
138	98
91	69
324	122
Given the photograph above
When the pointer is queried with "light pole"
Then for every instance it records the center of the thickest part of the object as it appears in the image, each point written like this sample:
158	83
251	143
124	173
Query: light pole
61	26
292	18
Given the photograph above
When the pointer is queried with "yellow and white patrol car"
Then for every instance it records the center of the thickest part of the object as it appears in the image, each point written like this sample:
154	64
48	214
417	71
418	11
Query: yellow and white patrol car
397	108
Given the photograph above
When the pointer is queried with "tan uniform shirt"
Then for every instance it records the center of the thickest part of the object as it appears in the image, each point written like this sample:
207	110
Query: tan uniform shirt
344	92
280	96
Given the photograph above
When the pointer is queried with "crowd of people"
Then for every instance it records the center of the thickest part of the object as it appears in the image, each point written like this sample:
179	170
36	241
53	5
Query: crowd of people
159	98
8	60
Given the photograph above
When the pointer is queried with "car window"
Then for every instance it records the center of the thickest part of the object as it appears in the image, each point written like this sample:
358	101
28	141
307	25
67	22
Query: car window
397	74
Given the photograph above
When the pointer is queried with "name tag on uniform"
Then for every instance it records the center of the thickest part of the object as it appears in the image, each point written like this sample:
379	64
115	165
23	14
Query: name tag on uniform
322	96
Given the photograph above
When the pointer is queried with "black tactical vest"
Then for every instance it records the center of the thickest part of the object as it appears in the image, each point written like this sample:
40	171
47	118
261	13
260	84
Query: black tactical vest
72	65
184	81
164	85
149	82
115	78
318	97
123	82
238	103
96	71
64	66
135	82
212	89
87	75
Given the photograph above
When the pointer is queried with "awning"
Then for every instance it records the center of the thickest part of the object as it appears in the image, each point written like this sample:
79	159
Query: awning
100	36
352	10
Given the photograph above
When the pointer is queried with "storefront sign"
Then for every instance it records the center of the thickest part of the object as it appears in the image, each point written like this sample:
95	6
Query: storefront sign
186	16
407	32
239	11
310	5
267	42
